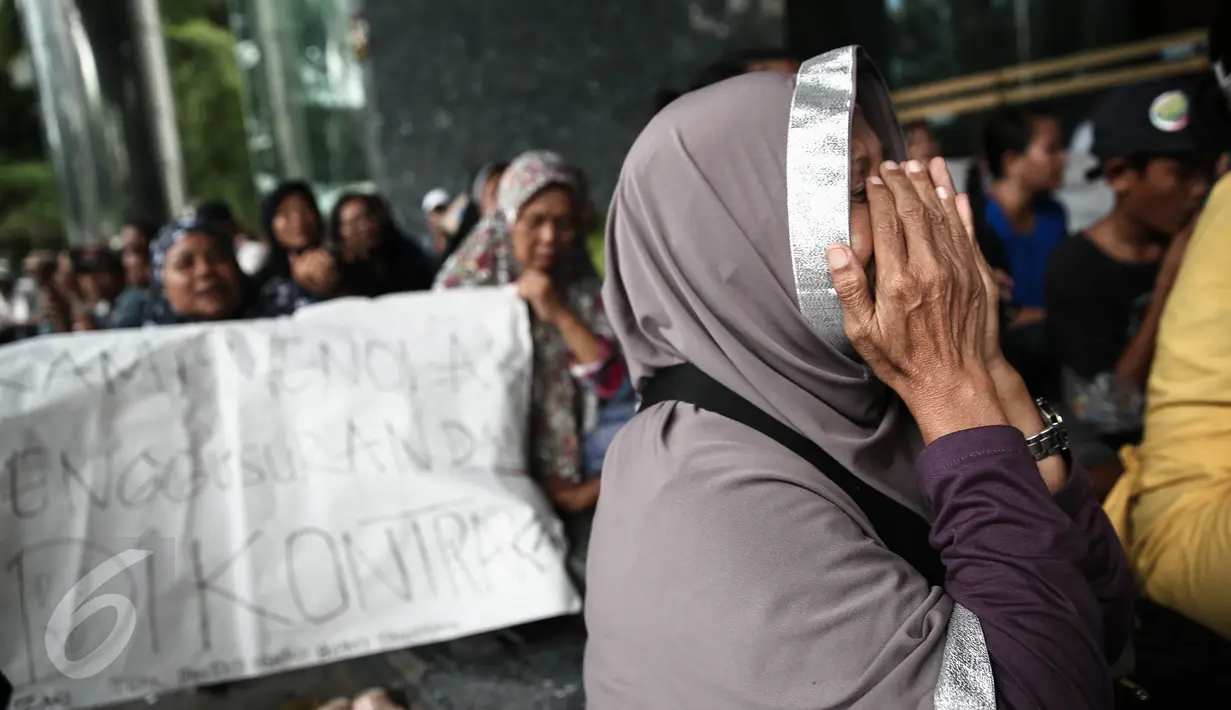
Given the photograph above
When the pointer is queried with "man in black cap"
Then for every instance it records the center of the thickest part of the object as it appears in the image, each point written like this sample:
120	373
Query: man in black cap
1106	288
1172	505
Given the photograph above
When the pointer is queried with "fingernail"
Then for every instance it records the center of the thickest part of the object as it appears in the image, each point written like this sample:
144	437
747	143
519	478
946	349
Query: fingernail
889	165
942	192
837	256
914	166
876	181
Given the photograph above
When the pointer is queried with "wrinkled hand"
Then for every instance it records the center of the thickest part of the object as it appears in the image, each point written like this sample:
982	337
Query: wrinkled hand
923	329
535	287
317	270
997	285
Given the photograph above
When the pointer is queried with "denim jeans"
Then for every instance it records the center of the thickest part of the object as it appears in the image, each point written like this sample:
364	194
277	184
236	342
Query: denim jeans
611	418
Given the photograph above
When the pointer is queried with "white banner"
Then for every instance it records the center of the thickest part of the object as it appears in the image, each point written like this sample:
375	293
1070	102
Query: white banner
189	505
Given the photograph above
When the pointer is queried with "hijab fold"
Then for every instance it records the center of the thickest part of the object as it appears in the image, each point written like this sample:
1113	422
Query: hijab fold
709	242
561	408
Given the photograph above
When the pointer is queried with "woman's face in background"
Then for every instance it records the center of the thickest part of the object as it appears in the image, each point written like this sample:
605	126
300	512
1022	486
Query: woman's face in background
545	228
201	278
136	257
866	156
357	227
1041	168
65	269
296	225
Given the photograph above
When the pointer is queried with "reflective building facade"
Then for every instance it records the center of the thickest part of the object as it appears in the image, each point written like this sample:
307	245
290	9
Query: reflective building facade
112	145
456	84
304	94
409	95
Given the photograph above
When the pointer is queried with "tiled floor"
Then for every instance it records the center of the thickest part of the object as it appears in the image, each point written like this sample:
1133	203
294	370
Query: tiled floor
530	668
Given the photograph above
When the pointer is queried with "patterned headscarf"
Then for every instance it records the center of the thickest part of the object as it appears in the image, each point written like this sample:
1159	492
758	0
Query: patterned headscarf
159	310
560	407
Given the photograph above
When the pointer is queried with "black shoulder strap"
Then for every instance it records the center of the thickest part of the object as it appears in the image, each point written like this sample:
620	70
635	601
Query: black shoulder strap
900	528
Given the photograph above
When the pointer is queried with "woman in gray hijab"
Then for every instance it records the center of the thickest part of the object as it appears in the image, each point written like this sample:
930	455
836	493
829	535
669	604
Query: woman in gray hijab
735	565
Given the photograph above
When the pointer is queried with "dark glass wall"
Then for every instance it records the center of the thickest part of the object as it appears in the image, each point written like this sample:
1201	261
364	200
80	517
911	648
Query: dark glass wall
304	95
918	42
455	84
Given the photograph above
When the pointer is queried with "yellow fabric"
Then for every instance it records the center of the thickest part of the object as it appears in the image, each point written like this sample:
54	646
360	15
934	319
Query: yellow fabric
1172	507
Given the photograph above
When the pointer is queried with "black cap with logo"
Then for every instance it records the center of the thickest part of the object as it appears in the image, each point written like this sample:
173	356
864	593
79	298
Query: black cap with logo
1150	118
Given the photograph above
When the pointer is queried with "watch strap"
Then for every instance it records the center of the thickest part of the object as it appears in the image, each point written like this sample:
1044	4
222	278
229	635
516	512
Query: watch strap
1054	439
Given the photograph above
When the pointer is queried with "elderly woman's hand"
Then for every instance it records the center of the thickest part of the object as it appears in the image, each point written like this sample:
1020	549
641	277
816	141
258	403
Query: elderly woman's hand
923	328
536	288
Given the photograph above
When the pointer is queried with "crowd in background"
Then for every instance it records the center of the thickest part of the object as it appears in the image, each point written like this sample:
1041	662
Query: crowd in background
1081	313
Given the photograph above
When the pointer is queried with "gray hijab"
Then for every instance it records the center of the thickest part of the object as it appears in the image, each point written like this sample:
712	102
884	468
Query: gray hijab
725	572
751	302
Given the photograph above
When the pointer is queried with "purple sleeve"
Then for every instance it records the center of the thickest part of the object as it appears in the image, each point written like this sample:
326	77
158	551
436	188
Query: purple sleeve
1017	561
1103	564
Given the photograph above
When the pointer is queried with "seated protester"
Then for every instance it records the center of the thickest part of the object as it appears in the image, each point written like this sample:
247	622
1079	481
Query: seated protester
532	240
1172	506
485	186
194	277
100	278
9	321
35	293
435	206
1106	288
1025	154
300	271
130	307
921	142
377	259
1019	222
459	219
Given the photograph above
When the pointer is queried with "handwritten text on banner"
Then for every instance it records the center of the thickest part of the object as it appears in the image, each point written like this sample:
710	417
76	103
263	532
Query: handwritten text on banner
189	505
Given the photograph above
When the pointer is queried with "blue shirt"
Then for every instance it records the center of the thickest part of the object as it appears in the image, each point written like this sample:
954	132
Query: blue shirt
1029	253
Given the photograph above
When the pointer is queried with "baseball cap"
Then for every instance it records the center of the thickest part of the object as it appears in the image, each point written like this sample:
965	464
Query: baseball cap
436	199
98	260
1151	118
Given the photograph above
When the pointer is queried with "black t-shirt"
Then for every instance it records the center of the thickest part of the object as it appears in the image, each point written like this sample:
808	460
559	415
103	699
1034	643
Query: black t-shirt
1095	305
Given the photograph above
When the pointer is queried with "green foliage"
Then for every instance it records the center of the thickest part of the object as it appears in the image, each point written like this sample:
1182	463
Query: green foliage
206	84
597	247
28	205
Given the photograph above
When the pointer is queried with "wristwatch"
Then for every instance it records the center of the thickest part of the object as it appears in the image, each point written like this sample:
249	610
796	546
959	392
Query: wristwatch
1054	439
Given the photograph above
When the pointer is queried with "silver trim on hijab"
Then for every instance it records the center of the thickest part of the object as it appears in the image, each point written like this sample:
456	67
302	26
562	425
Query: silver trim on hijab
818	205
818	171
966	681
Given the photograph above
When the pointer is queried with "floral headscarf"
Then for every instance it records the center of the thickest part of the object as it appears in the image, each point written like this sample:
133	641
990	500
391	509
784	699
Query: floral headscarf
159	310
560	406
